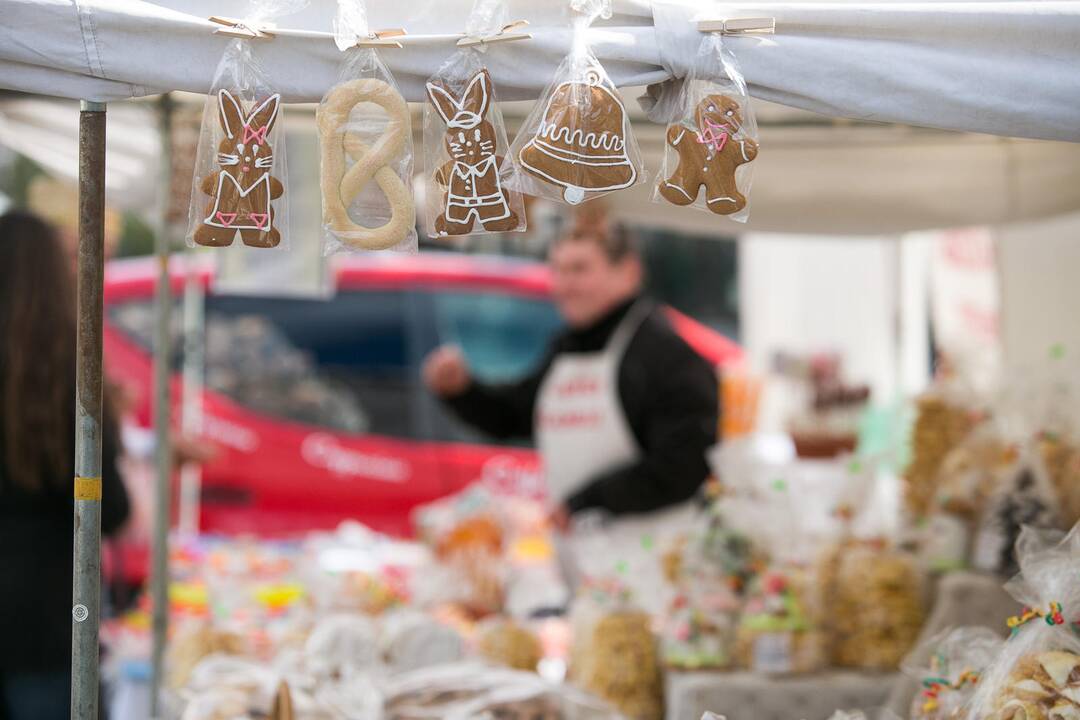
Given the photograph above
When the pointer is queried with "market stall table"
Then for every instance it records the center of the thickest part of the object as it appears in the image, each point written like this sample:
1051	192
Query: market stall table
752	696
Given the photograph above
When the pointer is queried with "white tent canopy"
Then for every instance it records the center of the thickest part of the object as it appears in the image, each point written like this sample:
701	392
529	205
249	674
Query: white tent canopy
1006	68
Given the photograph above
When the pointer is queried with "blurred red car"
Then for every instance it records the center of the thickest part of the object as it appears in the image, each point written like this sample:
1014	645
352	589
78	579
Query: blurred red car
317	405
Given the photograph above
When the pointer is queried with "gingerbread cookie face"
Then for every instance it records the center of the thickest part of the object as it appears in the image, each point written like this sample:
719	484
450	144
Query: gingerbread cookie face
581	142
709	154
472	190
242	189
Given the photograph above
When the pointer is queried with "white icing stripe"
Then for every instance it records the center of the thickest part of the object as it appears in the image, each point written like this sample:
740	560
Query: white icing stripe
679	139
676	187
729	199
565	154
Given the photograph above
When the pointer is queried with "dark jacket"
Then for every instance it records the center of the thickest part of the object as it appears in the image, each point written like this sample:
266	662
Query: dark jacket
36	536
668	393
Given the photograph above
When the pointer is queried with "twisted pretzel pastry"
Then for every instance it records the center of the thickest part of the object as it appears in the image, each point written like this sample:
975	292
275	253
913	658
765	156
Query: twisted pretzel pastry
370	161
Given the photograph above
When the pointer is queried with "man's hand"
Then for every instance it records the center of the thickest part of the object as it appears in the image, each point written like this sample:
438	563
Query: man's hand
445	372
559	518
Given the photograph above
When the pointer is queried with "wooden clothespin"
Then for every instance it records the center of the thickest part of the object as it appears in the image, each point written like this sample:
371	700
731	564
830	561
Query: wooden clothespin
240	29
739	26
383	38
505	34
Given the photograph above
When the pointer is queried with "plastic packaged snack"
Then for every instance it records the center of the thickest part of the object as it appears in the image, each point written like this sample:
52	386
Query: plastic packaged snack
947	668
366	153
577	143
1062	460
465	141
940	425
473	691
1024	497
239	182
779	631
712	139
507	643
874	596
699	628
1036	676
712	569
411	640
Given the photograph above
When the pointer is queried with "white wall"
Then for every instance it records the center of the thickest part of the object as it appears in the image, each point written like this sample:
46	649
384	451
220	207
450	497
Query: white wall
862	297
1039	266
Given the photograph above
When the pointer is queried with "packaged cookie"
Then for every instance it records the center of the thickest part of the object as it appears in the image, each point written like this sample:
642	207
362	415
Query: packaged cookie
1023	497
1036	676
1062	460
711	139
699	629
940	425
779	630
947	668
365	146
507	643
465	141
874	596
239	183
577	143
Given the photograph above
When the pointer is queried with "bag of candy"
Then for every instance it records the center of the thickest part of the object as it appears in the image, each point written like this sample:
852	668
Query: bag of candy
1036	676
947	668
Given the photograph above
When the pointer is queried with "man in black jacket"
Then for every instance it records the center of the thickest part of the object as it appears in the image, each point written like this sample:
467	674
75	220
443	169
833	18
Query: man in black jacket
622	410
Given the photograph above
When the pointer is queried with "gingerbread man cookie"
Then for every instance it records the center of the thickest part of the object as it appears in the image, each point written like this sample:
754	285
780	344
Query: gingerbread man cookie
708	155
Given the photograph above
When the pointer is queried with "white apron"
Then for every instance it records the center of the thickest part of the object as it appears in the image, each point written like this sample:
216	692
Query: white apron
582	431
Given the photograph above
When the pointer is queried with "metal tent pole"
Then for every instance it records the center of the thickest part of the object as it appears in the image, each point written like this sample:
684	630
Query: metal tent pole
192	412
86	573
162	450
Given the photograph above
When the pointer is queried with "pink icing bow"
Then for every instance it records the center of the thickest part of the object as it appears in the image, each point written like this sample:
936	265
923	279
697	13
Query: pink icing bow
258	136
714	135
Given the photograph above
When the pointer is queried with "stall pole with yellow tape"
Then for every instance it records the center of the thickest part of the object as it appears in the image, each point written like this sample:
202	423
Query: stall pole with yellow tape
86	574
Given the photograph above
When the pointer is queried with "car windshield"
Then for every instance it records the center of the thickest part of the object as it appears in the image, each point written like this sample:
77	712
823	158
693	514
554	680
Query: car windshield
352	363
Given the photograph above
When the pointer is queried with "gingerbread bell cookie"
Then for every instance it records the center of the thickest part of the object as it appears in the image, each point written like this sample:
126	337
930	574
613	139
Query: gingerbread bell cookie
577	144
238	184
711	138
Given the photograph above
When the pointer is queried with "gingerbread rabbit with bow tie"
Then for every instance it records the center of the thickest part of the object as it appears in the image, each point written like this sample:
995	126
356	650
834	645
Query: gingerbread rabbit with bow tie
473	188
708	156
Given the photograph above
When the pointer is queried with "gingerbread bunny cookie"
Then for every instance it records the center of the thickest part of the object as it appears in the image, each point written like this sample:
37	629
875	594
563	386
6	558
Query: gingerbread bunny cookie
473	189
242	189
708	156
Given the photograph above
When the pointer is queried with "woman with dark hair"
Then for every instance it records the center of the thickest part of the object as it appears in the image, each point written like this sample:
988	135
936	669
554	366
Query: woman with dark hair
37	451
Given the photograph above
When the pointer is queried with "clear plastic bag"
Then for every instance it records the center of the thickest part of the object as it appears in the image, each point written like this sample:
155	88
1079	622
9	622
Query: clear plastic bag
1036	676
779	631
239	183
577	143
465	143
366	152
1024	496
474	691
712	570
712	139
947	668
875	598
